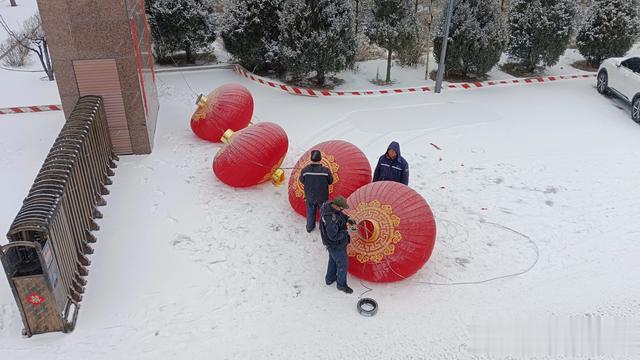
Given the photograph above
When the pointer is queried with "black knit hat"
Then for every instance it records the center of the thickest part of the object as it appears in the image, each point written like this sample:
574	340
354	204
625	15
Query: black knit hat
316	155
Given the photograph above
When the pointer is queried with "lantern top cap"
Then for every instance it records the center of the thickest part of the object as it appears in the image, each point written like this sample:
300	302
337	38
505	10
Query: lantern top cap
201	101
278	177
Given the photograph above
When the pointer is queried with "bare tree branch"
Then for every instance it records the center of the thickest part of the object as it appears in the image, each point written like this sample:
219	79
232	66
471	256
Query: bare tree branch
19	39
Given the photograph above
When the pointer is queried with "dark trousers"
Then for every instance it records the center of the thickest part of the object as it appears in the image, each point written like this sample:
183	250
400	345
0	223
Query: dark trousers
312	208
337	267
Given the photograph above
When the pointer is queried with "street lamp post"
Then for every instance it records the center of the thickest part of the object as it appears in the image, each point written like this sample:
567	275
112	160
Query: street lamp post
443	53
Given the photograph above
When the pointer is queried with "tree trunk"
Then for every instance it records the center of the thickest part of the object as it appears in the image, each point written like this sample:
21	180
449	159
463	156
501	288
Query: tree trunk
531	66
47	60
188	54
428	60
13	2
426	73
357	17
388	80
320	78
41	58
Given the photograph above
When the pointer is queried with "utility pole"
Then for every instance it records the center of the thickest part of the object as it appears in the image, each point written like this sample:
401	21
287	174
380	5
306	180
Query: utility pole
443	53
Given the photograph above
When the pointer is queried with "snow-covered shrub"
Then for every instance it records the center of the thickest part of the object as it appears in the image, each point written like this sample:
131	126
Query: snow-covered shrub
250	30
15	55
366	50
610	29
477	37
317	36
393	26
187	25
412	54
540	30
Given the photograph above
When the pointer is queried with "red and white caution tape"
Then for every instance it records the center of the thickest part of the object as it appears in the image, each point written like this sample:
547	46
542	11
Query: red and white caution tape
29	109
423	89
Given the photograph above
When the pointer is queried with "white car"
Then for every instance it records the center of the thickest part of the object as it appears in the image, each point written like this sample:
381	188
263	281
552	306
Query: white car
621	77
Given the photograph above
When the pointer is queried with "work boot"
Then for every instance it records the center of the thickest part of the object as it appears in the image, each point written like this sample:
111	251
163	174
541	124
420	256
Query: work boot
345	289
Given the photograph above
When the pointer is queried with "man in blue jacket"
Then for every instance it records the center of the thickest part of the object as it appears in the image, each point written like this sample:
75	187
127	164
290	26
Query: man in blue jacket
315	179
392	166
335	237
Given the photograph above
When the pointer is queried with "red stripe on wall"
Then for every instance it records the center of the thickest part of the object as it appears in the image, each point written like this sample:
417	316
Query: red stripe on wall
136	48
148	38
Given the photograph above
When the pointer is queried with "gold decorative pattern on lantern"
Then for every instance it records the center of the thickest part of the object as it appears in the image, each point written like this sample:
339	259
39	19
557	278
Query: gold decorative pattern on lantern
206	107
328	161
379	242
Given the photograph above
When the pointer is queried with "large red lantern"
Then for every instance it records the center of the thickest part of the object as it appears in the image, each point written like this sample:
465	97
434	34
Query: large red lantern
348	164
252	156
396	232
228	107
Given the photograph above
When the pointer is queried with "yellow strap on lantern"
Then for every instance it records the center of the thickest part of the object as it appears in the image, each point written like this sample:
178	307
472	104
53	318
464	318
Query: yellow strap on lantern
278	177
226	137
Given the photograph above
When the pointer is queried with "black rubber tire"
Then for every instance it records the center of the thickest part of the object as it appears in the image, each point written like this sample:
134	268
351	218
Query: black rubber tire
635	109
603	83
367	307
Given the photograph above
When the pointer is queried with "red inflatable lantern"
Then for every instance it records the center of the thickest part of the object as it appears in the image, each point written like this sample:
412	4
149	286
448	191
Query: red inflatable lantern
396	232
348	164
252	156
228	107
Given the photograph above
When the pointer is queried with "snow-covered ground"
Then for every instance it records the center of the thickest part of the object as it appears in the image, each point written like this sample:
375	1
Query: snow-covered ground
187	267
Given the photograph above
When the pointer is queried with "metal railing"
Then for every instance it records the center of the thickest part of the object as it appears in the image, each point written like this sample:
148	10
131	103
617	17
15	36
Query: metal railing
46	259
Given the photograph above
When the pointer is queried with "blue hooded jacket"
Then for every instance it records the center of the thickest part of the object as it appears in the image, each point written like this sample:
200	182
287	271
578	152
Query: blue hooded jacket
392	170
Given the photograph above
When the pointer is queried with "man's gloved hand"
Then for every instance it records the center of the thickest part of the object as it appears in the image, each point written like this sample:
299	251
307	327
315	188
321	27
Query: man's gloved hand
352	225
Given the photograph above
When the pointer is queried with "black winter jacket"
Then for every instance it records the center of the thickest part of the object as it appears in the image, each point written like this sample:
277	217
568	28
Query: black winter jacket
316	180
333	227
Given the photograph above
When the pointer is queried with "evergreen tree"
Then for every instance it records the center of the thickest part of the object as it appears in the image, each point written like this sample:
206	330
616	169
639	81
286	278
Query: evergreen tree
317	35
250	30
540	31
610	29
393	26
187	25
477	37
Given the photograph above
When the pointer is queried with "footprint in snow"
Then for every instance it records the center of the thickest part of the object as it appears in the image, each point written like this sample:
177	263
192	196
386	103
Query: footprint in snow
180	239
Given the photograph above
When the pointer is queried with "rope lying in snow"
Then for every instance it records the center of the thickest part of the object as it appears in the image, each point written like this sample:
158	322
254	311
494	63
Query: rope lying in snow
183	77
519	273
533	264
366	287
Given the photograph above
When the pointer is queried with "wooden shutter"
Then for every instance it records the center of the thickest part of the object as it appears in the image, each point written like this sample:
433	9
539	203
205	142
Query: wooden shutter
100	77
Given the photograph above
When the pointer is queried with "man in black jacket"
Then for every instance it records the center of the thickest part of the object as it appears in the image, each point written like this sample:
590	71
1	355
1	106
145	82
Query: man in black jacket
335	237
315	179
